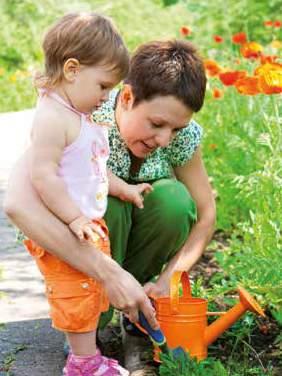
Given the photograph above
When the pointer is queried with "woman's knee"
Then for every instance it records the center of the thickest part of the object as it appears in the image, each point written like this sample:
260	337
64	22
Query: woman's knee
172	202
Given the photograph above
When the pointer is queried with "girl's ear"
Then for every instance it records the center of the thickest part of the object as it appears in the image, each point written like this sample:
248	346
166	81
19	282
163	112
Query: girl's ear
71	69
127	97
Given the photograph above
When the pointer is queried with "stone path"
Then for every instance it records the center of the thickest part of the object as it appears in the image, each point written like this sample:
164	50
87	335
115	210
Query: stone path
28	344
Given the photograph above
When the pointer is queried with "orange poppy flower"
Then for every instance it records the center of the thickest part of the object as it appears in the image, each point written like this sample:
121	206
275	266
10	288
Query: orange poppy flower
248	85
212	67
267	88
277	24
217	93
213	146
270	78
185	31
268	23
268	59
251	50
239	38
217	38
228	78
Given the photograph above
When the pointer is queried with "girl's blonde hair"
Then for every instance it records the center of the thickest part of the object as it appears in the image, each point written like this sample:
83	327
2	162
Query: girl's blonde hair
90	38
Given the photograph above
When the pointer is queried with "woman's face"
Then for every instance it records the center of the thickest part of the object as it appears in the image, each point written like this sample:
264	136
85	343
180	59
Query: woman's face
150	124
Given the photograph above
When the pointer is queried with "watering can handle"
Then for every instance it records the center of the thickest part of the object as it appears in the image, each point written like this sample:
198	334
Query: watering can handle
174	289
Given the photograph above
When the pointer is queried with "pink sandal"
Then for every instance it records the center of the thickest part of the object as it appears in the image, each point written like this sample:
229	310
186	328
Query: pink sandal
93	365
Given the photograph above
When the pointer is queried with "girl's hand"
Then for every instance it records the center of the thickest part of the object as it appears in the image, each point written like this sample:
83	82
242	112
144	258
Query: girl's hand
85	229
134	193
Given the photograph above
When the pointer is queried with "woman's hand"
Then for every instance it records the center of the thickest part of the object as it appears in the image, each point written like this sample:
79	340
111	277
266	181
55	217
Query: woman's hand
126	294
157	289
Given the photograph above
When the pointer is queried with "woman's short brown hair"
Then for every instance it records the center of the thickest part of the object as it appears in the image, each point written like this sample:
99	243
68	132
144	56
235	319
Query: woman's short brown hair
162	68
88	37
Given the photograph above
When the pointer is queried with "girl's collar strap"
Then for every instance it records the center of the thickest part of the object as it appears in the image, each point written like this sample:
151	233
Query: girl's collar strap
59	99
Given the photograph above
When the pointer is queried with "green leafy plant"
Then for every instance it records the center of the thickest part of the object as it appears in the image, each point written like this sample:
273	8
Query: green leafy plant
184	365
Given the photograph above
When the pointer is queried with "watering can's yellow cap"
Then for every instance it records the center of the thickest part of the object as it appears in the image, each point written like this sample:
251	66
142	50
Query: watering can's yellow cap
250	302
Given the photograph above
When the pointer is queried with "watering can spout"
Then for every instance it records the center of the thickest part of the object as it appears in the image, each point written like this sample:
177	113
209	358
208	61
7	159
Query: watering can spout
246	303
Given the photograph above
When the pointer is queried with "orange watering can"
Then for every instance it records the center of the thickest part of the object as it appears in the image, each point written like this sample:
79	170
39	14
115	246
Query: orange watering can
183	319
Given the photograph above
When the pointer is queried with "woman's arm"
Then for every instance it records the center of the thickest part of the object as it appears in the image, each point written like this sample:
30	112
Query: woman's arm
193	175
25	208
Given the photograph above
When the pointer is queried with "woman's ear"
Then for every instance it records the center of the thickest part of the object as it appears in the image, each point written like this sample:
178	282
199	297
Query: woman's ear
127	97
71	69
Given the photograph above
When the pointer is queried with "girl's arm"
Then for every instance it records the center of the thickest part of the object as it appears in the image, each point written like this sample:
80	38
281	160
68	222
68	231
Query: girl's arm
48	143
128	192
193	175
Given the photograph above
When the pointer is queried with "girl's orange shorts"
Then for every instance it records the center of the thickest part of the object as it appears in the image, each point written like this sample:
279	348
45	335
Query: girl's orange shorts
76	301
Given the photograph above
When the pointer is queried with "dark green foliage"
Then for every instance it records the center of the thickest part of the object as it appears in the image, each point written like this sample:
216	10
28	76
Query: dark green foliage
184	365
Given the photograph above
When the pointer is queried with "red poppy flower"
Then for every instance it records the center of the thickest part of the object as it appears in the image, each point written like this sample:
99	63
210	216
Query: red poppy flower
248	85
268	23
251	50
218	38
270	78
277	24
230	77
239	38
185	31
212	67
217	93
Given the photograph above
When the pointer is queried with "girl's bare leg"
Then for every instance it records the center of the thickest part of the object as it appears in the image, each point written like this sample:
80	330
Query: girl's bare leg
82	344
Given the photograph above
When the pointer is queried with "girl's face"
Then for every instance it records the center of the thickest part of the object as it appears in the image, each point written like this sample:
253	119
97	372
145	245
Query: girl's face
87	87
150	124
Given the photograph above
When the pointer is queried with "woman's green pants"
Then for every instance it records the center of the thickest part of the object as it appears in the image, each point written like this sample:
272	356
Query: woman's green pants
143	240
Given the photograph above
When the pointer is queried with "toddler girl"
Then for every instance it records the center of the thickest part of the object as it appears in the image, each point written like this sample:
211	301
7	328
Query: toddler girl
84	59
